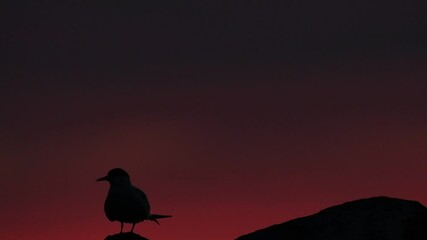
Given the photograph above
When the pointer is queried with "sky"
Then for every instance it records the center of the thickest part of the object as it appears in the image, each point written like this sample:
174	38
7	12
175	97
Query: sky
231	115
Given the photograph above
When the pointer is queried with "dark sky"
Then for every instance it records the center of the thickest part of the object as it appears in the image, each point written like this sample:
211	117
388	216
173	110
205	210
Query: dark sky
232	115
46	36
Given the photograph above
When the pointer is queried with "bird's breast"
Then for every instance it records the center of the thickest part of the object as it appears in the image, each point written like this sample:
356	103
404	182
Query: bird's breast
125	205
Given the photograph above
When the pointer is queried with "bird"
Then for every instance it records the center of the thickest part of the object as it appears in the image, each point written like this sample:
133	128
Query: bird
126	203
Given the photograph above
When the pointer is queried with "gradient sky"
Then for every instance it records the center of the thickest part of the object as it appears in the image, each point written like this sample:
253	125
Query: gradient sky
231	115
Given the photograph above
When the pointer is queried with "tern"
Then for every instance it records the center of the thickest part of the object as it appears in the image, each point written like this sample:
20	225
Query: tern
125	203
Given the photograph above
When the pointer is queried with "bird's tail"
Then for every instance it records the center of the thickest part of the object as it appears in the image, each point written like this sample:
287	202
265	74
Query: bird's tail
154	217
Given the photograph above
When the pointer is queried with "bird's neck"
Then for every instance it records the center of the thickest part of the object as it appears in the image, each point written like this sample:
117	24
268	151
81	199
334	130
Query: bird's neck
123	183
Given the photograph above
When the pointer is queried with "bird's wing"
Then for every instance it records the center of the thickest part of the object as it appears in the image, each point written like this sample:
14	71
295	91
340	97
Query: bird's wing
143	199
154	217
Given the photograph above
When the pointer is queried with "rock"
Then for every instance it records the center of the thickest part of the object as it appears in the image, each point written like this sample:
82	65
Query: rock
125	236
378	218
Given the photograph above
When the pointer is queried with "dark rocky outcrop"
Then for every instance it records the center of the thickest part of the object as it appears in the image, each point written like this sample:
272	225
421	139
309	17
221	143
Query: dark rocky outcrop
125	236
378	218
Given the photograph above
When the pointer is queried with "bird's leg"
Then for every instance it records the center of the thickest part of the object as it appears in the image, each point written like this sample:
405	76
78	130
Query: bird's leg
133	225
121	227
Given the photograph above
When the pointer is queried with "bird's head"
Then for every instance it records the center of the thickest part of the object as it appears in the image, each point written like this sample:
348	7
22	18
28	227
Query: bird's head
116	176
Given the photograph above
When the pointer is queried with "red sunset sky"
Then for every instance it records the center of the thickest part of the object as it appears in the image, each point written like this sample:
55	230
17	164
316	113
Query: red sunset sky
231	117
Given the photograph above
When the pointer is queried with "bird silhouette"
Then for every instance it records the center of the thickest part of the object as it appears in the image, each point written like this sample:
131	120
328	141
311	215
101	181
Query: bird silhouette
126	203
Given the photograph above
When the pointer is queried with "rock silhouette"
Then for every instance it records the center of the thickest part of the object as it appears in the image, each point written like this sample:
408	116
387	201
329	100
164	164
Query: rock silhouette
126	236
378	218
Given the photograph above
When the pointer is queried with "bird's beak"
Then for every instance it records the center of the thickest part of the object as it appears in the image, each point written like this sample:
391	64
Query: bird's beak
102	179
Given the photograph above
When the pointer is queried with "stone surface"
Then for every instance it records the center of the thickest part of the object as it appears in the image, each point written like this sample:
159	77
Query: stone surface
378	218
125	236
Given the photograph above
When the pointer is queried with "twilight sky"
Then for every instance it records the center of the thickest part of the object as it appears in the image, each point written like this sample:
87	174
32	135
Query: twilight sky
231	115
